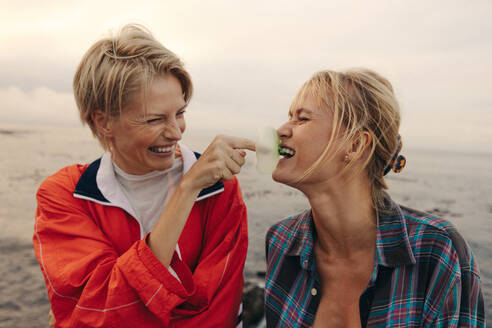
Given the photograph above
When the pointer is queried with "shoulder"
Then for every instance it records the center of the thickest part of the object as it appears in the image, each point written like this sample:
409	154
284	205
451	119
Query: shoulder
63	181
436	237
420	219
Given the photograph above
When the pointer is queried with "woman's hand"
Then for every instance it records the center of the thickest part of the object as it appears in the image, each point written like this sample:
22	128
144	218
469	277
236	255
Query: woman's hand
221	160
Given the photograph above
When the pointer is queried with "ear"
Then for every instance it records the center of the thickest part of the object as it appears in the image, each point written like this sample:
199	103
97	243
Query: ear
360	143
102	121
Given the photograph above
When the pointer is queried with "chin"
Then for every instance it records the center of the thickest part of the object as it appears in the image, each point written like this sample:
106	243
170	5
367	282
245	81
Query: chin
288	180
277	176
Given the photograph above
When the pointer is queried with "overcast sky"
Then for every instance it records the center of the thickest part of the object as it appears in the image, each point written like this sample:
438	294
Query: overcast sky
248	58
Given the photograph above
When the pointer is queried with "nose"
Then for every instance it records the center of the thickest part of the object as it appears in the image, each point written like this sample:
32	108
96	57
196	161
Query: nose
284	131
172	131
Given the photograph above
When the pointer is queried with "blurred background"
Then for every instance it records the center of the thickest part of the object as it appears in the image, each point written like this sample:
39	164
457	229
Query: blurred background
247	60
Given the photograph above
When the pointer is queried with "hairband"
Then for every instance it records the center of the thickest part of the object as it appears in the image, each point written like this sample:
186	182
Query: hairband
397	162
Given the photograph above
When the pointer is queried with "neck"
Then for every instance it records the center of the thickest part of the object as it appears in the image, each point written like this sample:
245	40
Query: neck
343	215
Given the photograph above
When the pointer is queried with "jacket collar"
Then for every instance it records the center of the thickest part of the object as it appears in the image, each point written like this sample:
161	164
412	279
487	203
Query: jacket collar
392	244
98	182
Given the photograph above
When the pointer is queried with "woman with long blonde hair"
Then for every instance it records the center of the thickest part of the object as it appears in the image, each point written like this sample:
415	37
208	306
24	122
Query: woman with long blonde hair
356	258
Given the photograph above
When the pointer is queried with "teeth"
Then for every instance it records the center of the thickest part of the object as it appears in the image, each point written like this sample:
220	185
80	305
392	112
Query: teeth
161	149
286	151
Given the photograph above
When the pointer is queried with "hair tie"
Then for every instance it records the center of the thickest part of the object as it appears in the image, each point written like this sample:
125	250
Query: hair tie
397	162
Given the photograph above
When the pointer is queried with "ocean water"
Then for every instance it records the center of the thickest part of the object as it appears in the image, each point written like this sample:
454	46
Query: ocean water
457	186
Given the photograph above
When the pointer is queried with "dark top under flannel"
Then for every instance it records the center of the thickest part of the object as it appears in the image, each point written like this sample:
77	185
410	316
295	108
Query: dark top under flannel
424	274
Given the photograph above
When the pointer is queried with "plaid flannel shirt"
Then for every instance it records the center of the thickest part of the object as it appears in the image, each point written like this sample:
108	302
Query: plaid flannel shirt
424	274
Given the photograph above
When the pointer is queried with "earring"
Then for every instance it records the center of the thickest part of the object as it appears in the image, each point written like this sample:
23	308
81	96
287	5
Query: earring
346	159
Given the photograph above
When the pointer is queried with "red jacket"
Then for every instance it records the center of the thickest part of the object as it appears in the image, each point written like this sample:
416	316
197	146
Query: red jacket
100	272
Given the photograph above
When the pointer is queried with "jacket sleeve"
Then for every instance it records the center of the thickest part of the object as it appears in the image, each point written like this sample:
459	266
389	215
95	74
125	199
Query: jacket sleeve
218	276
90	284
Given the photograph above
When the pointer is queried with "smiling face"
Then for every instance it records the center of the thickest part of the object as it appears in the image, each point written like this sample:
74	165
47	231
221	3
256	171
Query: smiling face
342	128
303	140
143	139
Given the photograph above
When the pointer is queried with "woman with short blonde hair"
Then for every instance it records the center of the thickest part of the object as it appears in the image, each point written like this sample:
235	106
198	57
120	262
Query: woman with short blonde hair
356	258
151	234
117	69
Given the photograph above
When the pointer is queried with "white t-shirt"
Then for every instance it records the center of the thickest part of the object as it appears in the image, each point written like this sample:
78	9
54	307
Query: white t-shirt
148	194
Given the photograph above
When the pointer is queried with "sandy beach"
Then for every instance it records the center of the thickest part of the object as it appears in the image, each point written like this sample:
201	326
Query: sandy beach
455	186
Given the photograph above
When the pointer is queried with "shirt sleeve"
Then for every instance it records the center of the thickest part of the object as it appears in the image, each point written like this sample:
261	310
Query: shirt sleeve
472	308
91	284
463	304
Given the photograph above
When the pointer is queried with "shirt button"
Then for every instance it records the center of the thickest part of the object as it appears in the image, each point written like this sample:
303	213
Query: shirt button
314	292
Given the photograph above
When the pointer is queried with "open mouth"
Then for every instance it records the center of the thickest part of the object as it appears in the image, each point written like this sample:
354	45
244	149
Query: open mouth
286	151
160	149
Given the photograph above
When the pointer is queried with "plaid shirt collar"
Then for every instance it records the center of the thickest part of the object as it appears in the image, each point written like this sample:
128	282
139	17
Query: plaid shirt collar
392	245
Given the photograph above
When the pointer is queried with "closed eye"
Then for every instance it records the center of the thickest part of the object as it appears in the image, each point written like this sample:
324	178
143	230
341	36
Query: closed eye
299	120
154	120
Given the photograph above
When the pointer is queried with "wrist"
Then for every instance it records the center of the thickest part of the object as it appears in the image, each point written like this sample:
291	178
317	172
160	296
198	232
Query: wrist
188	185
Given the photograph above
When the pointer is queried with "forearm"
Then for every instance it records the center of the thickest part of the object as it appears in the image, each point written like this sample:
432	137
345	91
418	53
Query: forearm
165	235
220	161
218	276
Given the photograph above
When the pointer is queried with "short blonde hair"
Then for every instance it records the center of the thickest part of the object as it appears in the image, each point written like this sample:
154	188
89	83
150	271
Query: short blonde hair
360	100
117	69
